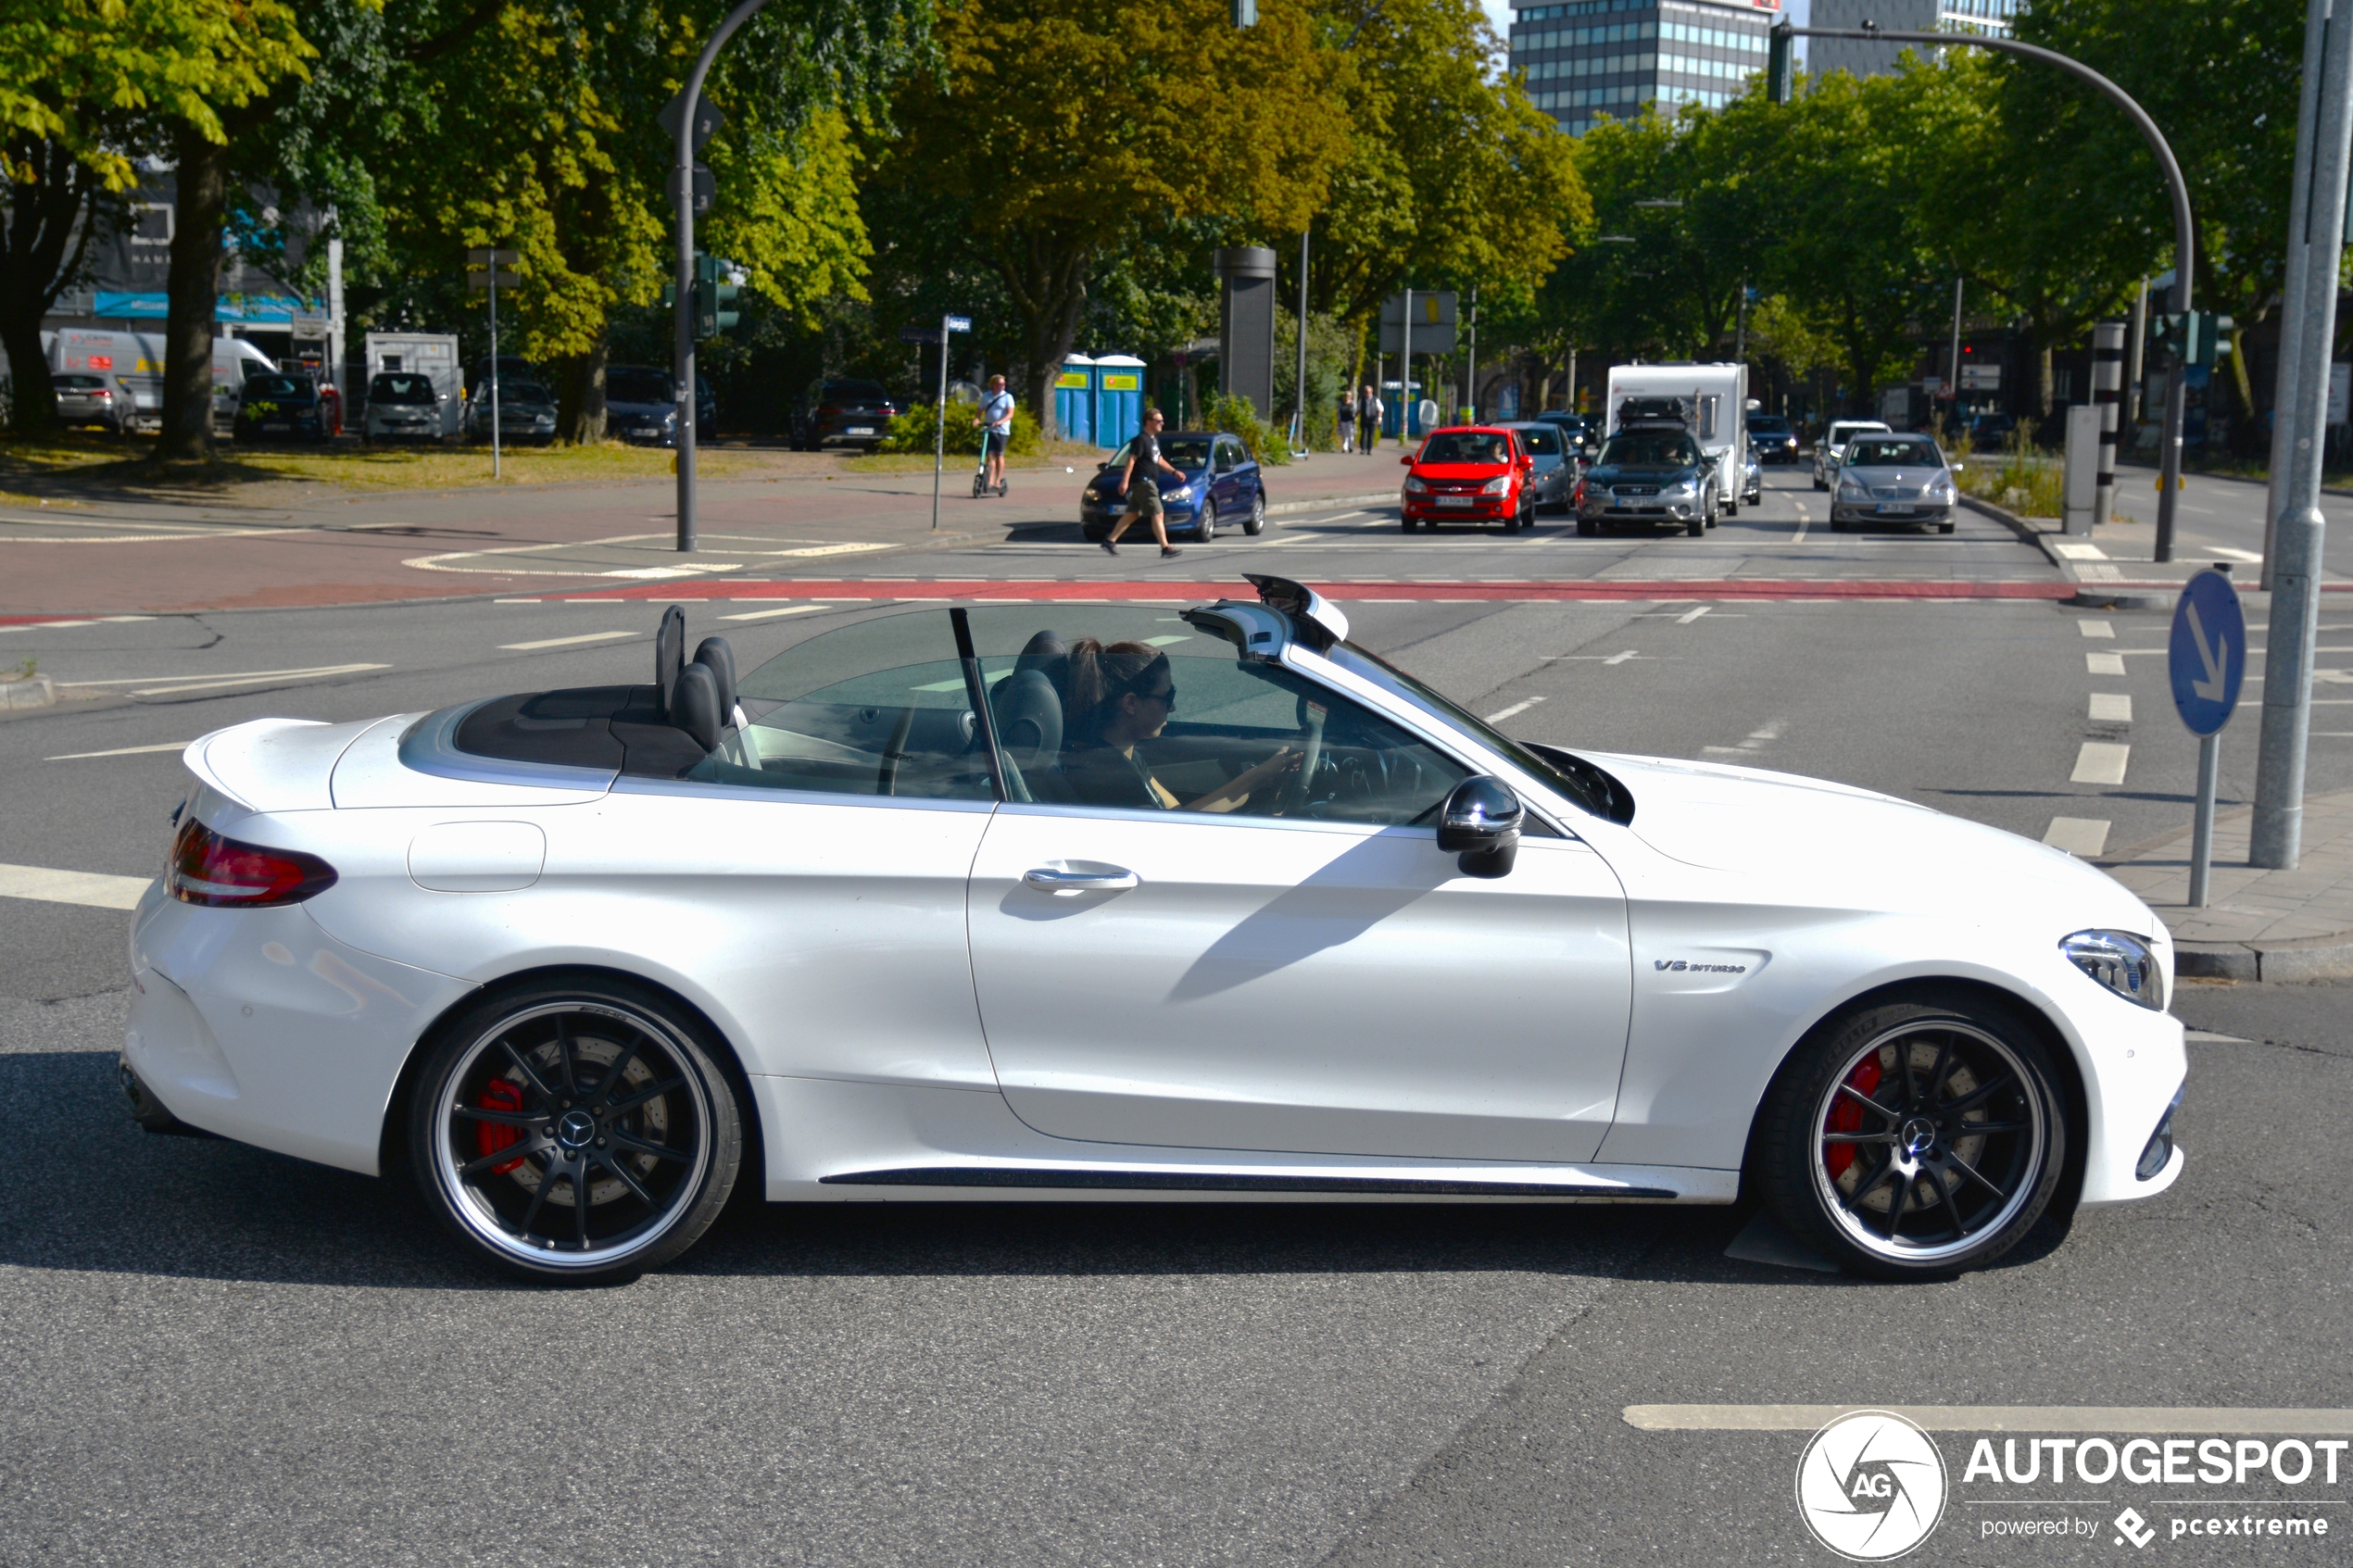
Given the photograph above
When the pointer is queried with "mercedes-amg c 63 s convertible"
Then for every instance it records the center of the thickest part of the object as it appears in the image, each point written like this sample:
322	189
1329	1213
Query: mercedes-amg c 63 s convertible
1123	902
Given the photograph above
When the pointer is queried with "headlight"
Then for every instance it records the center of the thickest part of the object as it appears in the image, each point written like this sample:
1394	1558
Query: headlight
669	420
1414	486
1682	489
1850	491
1182	494
1941	489
2122	962
1497	486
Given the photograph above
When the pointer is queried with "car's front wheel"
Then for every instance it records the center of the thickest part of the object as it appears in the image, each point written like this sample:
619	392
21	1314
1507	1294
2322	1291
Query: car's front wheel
1255	524
1915	1138
576	1130
1205	527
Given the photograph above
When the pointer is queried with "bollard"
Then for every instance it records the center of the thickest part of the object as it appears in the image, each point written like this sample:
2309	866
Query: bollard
2108	377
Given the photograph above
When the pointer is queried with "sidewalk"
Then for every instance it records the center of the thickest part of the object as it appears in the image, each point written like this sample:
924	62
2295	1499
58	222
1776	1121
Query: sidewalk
2259	925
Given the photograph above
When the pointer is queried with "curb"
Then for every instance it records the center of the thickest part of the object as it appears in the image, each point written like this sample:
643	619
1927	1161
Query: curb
2315	958
2085	598
38	692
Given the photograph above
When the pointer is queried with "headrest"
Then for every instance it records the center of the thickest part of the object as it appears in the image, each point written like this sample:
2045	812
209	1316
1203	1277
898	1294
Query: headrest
1047	654
1028	714
719	659
694	706
670	653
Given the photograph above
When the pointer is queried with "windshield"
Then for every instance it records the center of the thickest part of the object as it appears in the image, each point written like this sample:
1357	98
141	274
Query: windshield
1372	667
524	392
854	392
1842	434
276	386
1185	451
1882	451
1541	441
1484	448
1768	424
398	389
1652	449
637	386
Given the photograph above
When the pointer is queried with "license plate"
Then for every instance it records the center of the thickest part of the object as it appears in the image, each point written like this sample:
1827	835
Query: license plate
266	425
862	430
1889	508
1453	500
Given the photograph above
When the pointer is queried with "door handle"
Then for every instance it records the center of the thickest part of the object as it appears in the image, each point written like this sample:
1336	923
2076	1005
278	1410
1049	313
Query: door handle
1049	879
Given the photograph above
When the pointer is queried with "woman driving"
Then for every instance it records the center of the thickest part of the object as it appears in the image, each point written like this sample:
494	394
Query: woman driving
1121	695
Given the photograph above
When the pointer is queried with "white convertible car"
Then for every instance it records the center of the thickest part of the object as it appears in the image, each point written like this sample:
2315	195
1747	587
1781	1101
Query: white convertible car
1085	901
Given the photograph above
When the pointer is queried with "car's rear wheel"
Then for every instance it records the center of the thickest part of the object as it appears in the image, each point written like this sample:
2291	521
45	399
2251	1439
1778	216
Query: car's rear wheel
1945	527
1912	1139
1255	524
1205	526
1587	528
576	1130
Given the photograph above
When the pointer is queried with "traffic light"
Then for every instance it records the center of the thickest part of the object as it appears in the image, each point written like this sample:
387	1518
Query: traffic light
716	292
1781	63
2192	339
1245	13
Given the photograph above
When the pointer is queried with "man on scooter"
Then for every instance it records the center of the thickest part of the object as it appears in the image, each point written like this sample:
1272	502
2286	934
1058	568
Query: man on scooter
997	415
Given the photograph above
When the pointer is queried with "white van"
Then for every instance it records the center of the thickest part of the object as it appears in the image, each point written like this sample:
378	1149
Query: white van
431	355
132	363
1715	400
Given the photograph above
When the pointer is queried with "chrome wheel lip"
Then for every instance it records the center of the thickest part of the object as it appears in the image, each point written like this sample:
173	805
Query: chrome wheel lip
479	1220
1850	1224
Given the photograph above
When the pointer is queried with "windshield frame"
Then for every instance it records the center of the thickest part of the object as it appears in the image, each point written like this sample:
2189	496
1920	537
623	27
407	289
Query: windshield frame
1935	456
653	377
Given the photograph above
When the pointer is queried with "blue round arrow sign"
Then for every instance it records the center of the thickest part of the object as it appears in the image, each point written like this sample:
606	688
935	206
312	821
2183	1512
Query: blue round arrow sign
2207	656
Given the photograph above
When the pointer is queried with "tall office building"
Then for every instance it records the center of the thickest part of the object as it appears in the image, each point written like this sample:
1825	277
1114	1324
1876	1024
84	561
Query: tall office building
1581	58
1827	55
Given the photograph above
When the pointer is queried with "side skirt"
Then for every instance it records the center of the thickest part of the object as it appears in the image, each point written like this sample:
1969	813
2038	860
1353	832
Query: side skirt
1209	1181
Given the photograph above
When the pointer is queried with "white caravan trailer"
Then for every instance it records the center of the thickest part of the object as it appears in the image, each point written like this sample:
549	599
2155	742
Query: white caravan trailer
1715	400
432	355
133	362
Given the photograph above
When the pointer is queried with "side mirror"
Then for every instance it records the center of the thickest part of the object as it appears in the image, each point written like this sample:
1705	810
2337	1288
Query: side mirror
1407	462
1480	822
1959	467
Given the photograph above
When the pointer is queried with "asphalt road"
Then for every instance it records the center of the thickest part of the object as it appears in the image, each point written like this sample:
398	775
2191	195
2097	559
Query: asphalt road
214	1354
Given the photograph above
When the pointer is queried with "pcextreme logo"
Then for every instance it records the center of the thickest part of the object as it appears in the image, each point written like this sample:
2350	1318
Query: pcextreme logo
1871	1486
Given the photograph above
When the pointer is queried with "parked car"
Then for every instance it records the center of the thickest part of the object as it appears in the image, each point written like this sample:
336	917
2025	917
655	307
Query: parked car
88	400
1893	479
1827	451
911	931
1222	488
276	406
1553	460
402	405
1480	475
641	404
1773	438
1989	433
1649	476
838	409
526	414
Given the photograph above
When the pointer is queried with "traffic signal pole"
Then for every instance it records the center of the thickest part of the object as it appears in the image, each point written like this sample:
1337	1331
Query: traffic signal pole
1779	75
2307	324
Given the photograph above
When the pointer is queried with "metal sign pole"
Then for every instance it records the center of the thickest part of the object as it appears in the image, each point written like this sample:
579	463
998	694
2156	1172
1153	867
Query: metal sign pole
495	470
2206	666
2210	767
939	427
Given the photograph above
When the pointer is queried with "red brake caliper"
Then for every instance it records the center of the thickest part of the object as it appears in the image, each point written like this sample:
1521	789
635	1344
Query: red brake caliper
502	1093
1848	1117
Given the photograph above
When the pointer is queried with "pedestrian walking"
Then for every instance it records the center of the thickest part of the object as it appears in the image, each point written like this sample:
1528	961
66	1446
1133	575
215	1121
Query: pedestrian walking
1347	423
1139	481
1368	418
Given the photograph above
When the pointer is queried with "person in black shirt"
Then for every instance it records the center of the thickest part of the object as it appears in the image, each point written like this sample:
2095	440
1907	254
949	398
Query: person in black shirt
1124	693
1141	480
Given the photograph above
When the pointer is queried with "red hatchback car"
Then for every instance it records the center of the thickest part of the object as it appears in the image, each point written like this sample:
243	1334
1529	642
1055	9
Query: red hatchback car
1471	474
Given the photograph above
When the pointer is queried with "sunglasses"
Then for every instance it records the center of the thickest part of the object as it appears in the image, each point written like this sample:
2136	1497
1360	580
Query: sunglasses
1167	697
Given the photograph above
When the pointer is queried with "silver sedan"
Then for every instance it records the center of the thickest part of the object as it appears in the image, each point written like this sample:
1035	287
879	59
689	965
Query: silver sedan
1552	477
1893	479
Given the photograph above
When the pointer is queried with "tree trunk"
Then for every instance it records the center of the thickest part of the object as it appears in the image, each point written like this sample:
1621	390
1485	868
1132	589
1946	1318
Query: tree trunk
2043	393
195	286
1048	285
581	417
47	237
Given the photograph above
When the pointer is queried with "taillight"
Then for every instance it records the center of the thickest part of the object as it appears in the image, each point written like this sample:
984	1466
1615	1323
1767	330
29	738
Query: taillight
223	874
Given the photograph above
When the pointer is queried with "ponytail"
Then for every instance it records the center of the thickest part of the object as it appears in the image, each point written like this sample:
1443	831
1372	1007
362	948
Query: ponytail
1100	676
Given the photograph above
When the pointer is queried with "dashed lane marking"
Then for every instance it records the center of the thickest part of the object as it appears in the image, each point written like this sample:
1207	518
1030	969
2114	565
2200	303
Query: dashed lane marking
60	625
2095	628
217	683
1513	711
87	888
120	751
2104	664
1756	740
772	614
563	642
2100	762
2078	835
2113	707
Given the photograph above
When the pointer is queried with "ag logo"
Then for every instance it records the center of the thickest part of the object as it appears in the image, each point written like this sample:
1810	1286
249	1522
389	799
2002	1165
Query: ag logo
1871	1486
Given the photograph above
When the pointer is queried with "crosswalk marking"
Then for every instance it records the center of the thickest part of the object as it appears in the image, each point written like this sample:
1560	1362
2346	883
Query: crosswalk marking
2095	628
2078	835
2113	707
2100	762
2104	663
90	888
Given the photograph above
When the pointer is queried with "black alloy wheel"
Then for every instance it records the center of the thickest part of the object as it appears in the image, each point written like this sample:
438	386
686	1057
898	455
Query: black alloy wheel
1914	1139
577	1131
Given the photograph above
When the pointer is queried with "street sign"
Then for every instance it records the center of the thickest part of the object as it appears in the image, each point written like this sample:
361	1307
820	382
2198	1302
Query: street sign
708	119
2207	656
960	323
492	258
478	280
706	186
919	334
1434	318
1980	378
310	324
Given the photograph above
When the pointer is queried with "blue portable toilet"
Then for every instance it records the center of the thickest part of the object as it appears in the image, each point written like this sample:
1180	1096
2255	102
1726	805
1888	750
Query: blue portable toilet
1075	399
1396	415
1119	399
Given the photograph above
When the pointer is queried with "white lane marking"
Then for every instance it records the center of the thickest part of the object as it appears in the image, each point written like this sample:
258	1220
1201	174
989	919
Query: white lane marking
2095	628
1756	740
92	620
72	887
517	601
848	549
663	574
563	641
2078	552
1686	619
120	751
2234	555
2100	762
2207	1038
772	614
2203	1420
2095	571
1513	711
1621	658
2113	707
242	678
2104	664
2078	835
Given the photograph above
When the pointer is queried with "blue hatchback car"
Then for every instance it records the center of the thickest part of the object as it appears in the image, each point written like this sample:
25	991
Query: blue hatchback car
1222	488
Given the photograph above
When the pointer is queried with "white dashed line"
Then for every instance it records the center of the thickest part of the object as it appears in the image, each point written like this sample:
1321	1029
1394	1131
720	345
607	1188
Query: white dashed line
2100	762
72	887
2095	628
2104	664
2113	707
119	752
2078	835
772	614
1686	619
563	641
1514	710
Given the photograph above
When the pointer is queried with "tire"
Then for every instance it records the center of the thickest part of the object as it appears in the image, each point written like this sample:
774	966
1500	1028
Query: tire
1697	527
1405	522
1838	526
1962	1060
1587	528
1732	508
1255	524
536	1060
1819	484
1205	523
1945	527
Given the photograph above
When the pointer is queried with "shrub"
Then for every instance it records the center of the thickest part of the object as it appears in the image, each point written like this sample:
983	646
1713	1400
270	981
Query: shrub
912	430
1239	417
